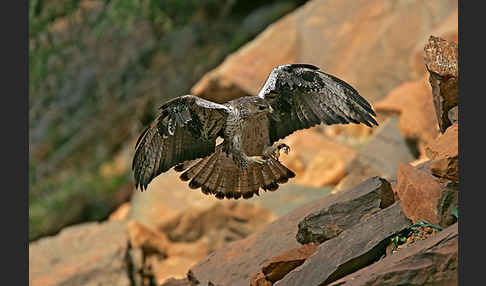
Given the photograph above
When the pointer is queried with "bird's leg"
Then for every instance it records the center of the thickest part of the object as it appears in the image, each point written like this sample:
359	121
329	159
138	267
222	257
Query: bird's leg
274	150
257	159
243	161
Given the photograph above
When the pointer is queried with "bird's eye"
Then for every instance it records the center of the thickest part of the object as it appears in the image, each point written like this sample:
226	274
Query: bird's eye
262	107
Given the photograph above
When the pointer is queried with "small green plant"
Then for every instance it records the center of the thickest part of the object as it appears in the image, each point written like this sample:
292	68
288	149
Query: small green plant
402	236
454	212
424	223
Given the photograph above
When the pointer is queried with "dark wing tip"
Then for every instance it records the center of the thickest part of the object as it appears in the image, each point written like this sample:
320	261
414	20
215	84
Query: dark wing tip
300	65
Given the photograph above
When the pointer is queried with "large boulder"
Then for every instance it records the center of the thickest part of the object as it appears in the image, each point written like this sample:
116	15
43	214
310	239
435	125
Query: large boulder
424	197
366	43
329	222
87	254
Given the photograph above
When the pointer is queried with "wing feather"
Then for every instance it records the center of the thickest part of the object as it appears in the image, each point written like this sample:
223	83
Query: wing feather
302	96
186	129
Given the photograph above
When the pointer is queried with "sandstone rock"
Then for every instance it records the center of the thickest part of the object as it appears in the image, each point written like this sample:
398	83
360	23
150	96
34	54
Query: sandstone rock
234	264
447	29
380	156
193	235
165	199
176	282
316	160
354	131
441	59
277	267
224	222
356	247
329	222
445	154
171	267
87	254
424	197
121	213
413	102
149	241
192	250
339	36
259	279
433	261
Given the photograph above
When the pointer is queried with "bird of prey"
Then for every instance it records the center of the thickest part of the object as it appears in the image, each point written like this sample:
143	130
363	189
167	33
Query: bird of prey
294	97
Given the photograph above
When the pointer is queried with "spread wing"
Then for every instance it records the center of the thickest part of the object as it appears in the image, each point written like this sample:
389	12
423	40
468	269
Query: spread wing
186	129
303	96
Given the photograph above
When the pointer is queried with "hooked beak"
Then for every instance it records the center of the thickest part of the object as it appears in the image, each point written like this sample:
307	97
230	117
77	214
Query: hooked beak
270	108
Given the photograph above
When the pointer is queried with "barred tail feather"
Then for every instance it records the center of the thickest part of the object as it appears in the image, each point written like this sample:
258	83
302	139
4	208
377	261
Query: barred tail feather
220	176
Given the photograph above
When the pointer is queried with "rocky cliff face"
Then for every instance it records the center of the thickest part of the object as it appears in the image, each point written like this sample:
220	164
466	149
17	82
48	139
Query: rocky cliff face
369	207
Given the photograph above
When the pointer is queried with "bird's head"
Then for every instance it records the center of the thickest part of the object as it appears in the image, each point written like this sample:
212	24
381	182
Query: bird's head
259	106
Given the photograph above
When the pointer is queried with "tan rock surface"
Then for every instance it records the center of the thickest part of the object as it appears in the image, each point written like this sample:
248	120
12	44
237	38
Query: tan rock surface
413	101
121	213
87	254
365	43
316	160
445	154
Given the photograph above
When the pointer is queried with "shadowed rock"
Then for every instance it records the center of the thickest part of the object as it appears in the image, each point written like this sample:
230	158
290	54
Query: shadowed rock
433	261
329	222
354	248
277	267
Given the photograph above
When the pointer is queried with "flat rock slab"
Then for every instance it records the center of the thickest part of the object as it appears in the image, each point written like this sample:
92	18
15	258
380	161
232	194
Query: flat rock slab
433	261
87	254
236	263
329	222
353	249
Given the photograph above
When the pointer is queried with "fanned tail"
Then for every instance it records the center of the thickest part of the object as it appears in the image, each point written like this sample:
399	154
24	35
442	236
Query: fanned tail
220	176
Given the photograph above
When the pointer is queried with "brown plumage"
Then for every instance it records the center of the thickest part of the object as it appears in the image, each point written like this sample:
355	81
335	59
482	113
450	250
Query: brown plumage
184	135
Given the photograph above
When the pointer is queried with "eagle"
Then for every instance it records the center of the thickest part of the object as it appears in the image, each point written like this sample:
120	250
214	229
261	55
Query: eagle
184	135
